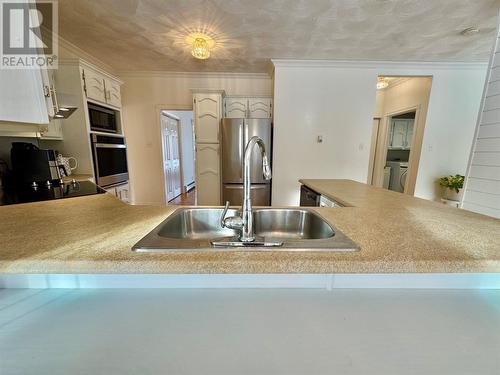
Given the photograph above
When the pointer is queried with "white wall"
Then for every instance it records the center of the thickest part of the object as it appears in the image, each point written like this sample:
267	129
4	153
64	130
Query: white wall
144	95
187	145
337	100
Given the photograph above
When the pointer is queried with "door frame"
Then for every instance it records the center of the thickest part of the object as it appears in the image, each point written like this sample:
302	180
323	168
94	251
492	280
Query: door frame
379	158
159	109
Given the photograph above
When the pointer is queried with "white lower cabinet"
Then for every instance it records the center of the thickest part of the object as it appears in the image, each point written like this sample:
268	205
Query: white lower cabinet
207	174
121	192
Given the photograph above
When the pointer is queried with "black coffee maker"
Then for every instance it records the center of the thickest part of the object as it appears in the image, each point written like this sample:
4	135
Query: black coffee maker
32	166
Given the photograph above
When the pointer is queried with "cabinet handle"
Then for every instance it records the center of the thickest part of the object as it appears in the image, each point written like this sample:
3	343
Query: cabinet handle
55	104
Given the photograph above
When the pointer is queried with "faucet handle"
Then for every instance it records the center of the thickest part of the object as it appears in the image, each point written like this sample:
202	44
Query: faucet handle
232	222
223	216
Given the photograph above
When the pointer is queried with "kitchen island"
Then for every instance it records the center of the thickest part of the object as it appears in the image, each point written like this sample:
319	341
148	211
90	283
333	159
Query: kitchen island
397	234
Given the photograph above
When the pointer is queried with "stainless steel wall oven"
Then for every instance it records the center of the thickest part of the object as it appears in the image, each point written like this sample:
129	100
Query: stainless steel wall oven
110	159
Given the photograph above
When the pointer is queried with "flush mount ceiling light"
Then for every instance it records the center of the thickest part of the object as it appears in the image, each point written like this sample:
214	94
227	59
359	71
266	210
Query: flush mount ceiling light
382	83
201	45
469	31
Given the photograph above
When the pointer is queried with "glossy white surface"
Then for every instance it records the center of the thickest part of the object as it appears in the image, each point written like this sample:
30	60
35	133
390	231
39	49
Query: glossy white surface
249	332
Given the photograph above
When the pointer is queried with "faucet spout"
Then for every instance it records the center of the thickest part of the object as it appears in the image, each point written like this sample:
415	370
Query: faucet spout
245	222
247	234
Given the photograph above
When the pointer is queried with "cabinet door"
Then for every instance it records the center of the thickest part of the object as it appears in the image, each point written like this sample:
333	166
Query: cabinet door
207	117
52	131
94	85
409	133
113	96
235	107
260	108
207	174
111	190
22	97
398	133
122	193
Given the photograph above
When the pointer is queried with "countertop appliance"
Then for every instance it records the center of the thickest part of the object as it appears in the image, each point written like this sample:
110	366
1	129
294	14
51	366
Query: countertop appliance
399	171
32	166
110	159
102	119
27	194
236	132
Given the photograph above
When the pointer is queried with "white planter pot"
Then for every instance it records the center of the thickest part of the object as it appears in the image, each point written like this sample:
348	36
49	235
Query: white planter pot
452	195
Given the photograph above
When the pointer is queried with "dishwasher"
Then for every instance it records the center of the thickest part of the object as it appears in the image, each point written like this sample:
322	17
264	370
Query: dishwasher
308	197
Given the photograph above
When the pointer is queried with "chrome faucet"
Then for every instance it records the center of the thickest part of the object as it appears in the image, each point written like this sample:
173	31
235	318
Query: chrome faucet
244	223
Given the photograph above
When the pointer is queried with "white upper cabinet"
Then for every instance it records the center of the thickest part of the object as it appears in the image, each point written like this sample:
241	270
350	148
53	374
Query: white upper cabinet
208	107
52	131
248	107
22	96
101	88
93	84
235	107
113	95
401	134
260	108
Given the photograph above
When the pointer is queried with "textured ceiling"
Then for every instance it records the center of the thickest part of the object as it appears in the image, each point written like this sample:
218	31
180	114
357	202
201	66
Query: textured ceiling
150	34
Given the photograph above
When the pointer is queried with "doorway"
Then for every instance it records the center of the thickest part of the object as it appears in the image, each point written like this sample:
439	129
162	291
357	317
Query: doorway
397	135
177	133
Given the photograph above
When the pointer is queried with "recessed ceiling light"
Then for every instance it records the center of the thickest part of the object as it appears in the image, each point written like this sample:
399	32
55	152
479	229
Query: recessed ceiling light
469	31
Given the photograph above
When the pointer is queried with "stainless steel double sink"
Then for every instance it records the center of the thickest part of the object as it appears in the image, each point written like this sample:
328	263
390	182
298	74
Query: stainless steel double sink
196	229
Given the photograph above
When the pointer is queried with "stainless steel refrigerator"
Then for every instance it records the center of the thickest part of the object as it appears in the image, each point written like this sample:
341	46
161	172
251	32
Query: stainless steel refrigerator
236	132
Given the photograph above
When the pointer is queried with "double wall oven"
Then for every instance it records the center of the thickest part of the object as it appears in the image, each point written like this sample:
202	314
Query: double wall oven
109	149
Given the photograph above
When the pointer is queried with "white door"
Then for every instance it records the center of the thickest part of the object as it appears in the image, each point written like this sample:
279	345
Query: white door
171	162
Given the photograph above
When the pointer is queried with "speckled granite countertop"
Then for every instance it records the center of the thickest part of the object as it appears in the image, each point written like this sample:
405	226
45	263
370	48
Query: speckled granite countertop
397	233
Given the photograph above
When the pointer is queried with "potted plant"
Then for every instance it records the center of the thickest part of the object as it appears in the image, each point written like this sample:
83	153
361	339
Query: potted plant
453	186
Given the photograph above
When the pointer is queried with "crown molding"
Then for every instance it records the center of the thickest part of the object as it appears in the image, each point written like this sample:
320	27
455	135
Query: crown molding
379	64
77	51
168	74
398	81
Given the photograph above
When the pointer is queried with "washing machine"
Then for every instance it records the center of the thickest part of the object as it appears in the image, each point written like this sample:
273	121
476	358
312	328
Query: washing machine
399	171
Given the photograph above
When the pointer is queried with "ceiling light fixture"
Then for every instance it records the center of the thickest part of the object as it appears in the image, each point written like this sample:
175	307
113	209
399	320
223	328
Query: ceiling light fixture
201	45
381	83
200	49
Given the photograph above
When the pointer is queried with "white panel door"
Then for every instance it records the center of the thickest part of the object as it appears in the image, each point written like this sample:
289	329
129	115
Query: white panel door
94	85
176	165
235	107
207	174
171	161
113	95
260	108
207	112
